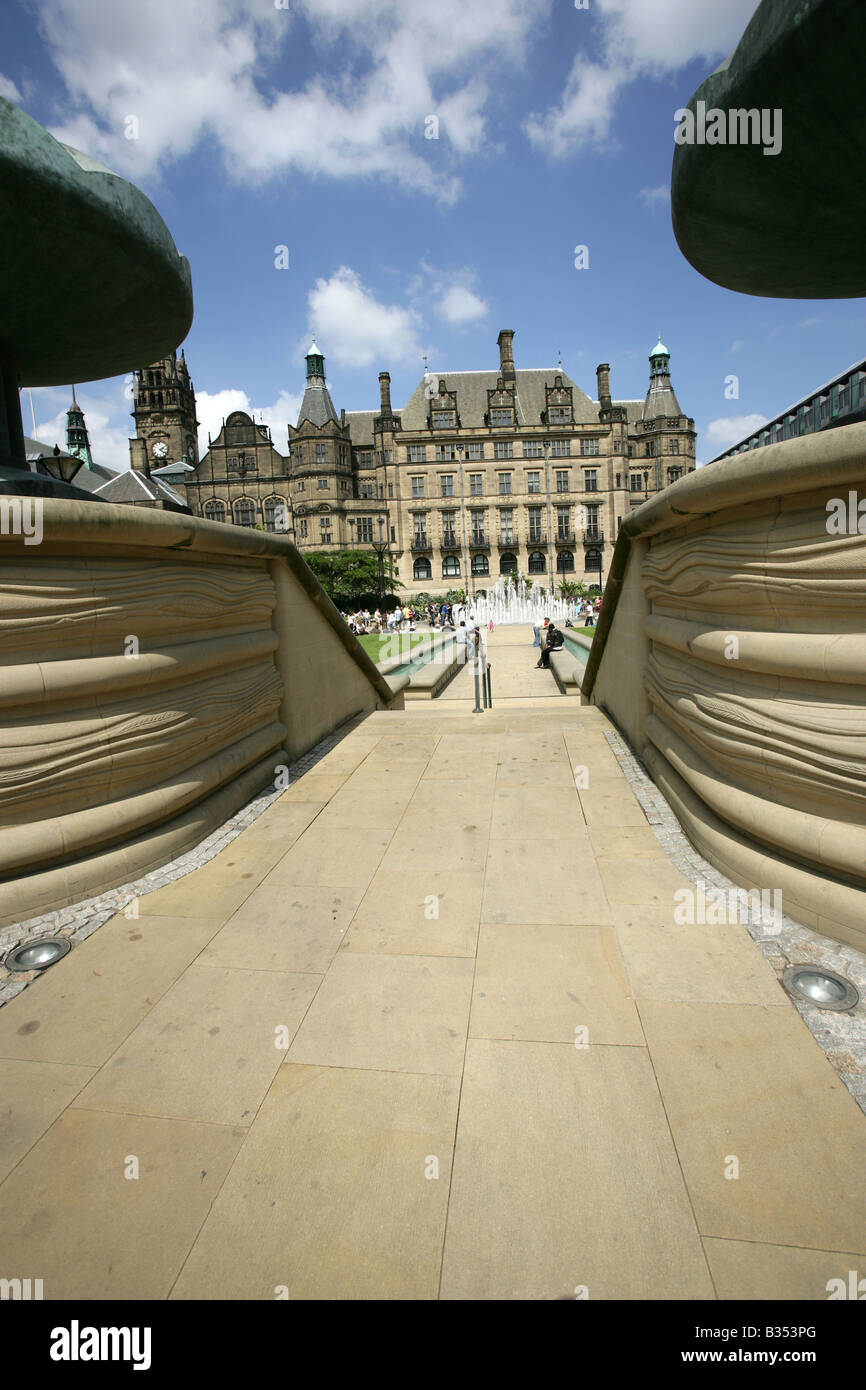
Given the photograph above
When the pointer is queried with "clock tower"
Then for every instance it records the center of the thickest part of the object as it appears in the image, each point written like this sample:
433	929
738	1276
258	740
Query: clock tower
164	414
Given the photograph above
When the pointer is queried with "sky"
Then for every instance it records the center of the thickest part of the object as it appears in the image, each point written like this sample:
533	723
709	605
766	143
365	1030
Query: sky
406	179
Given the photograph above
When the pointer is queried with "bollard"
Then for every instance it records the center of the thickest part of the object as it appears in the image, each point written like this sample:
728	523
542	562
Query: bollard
489	691
477	672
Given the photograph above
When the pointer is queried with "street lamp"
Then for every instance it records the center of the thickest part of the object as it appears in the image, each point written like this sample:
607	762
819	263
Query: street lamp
460	451
381	547
549	518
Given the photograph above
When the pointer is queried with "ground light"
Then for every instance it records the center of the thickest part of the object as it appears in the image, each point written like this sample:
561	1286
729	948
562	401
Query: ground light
36	955
822	987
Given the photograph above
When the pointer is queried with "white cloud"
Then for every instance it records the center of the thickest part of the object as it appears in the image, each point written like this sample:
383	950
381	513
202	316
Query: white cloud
638	39
737	344
652	196
460	306
730	429
9	90
355	329
809	323
213	407
224	71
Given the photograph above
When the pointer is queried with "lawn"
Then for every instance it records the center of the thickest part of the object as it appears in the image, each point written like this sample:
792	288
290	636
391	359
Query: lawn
382	645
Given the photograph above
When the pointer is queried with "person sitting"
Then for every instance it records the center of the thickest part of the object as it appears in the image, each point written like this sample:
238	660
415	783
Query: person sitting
554	644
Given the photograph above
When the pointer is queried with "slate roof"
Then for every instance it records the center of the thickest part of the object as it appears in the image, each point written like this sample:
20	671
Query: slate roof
472	388
133	486
360	423
317	406
87	479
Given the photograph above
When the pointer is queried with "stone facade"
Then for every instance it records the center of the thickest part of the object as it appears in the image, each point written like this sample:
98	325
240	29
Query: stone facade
482	473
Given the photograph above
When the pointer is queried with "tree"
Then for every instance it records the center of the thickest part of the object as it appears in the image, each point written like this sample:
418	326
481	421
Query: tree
350	578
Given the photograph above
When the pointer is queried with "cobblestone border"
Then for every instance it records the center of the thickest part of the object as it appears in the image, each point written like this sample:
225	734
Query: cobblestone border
841	1035
82	919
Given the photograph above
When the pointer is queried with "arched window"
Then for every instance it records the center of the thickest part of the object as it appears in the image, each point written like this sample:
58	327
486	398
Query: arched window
508	563
565	562
480	564
276	514
593	561
423	569
450	566
537	563
215	510
245	512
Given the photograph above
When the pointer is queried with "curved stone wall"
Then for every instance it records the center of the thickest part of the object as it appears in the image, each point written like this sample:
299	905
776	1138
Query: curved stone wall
732	652
154	671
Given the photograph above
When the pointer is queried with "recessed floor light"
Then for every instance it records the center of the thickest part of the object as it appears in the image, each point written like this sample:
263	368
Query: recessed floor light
822	987
38	954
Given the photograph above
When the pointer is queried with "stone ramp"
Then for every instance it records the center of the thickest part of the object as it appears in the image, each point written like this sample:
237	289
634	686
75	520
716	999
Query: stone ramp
427	1029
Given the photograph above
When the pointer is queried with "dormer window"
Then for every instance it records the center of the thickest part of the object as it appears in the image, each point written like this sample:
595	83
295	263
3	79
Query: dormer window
501	415
444	419
560	414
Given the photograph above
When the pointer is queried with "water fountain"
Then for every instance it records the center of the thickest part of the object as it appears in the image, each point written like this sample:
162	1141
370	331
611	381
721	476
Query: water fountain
508	602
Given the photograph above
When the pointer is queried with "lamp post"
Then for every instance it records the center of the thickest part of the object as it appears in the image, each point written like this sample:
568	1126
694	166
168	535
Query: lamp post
381	547
549	518
460	451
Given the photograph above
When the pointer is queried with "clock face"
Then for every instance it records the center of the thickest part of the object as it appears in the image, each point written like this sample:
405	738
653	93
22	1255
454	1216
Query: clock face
160	450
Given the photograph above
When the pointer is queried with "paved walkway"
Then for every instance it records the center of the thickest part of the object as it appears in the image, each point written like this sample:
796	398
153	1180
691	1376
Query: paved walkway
428	1029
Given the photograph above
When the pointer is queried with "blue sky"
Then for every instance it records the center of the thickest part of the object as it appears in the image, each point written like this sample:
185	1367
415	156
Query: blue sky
305	123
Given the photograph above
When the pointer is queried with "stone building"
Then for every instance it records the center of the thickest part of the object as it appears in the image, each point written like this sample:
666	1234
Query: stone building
480	474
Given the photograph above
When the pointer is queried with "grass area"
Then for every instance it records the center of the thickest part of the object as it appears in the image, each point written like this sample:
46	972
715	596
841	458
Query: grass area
382	645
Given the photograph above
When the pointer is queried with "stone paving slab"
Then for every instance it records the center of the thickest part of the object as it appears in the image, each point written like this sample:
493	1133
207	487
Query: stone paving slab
756	1272
331	1196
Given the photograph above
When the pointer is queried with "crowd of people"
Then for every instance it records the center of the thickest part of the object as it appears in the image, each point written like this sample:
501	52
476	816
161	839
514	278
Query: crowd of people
450	616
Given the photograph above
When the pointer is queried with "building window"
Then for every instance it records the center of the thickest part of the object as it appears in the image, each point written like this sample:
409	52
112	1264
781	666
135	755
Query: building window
674	446
564	562
446	482
443	419
560	414
616	446
215	510
589	448
563	522
673	474
302	529
476	484
506	525
619	480
535	523
450	567
560	448
476	520
480	564
417	487
232	465
321	483
504	484
245	512
300	485
631	450
276	515
592	562
422	568
325	528
389	455
445	453
321	453
507	563
449	535
502	417
476	451
562	480
533	482
420	525
592	520
503	449
366	490
537	563
390	491
417	453
590	480
365	528
532	449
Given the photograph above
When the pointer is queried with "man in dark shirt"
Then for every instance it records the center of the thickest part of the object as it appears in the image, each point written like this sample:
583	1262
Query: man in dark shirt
553	644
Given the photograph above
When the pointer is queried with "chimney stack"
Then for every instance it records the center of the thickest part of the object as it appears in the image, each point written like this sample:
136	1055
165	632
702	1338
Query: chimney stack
603	374
506	355
385	393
